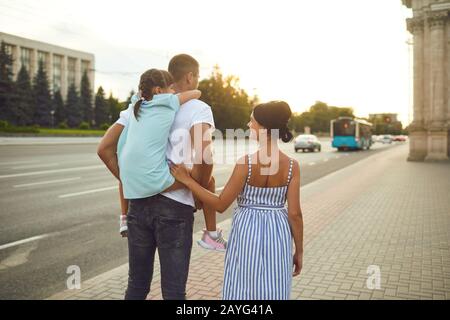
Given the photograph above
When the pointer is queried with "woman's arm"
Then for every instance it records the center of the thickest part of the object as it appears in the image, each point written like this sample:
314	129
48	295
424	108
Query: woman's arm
189	95
295	217
229	194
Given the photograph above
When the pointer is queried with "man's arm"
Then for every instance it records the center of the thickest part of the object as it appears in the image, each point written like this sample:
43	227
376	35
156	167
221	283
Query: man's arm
107	149
201	141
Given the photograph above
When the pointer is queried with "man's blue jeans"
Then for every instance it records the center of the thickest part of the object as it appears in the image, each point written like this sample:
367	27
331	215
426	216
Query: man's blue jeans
159	223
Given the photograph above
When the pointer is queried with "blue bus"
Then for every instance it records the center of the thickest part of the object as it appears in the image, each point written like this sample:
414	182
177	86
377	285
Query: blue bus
351	134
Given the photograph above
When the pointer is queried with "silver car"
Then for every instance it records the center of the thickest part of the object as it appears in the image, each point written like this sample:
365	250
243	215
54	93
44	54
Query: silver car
386	139
307	142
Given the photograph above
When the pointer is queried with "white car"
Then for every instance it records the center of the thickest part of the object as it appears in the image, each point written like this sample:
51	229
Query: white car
386	139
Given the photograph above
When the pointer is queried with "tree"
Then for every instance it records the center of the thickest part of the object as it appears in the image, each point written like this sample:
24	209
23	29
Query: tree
6	84
114	107
74	114
86	99
60	108
23	108
42	98
101	108
318	117
127	102
231	105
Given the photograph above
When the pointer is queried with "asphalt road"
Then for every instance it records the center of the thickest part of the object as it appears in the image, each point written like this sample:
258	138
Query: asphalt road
59	207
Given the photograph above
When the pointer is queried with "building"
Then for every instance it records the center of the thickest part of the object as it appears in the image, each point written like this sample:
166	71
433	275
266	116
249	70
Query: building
63	66
429	131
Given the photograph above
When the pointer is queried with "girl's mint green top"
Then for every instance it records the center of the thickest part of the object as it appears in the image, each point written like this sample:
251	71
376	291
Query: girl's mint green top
141	151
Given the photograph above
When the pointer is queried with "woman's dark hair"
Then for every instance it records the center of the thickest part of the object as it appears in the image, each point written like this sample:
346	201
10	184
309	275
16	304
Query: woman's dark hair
149	80
274	115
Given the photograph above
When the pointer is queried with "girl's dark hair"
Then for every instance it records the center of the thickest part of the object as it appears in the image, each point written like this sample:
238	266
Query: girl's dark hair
274	115
149	80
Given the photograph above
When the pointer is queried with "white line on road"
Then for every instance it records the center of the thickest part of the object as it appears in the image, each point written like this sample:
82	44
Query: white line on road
17	243
220	188
36	166
311	163
17	162
35	173
45	182
325	160
69	195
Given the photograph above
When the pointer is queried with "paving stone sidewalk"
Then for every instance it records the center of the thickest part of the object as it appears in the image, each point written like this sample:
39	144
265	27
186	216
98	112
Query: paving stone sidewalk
380	213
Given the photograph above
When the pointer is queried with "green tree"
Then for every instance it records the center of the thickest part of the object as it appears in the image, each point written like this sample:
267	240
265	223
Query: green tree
86	99
7	86
60	108
127	102
23	108
231	105
318	117
42	98
73	107
101	108
114	107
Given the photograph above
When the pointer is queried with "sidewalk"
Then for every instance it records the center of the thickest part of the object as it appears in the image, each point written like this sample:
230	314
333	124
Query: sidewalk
381	211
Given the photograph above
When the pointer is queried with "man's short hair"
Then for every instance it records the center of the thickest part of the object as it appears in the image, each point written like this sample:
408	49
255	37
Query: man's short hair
182	64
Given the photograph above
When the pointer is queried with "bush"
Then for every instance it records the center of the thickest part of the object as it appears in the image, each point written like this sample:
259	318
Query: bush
63	125
104	126
4	124
84	126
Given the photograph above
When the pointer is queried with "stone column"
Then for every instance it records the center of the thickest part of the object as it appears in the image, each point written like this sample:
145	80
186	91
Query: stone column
415	26
16	61
49	68
78	74
34	62
64	82
418	139
437	23
438	132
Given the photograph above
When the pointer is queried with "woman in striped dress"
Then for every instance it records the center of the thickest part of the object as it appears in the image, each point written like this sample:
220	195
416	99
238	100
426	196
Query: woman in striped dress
260	260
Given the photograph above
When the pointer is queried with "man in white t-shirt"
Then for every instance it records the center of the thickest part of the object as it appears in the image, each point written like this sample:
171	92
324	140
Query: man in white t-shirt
165	221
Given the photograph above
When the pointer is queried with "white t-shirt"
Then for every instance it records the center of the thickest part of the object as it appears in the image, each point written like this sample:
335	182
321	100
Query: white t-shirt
179	148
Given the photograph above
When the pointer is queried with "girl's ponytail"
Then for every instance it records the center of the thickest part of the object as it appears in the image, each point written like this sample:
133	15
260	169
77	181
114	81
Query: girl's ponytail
137	108
149	80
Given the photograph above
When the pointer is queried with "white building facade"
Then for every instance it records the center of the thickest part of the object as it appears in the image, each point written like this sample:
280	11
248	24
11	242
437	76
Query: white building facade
430	129
63	66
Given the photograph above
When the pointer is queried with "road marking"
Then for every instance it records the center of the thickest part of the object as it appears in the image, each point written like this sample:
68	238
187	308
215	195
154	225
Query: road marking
17	162
311	163
325	160
220	188
35	173
36	166
45	182
17	243
69	195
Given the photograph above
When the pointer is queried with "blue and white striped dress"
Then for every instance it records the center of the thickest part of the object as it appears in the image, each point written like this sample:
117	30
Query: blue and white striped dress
259	256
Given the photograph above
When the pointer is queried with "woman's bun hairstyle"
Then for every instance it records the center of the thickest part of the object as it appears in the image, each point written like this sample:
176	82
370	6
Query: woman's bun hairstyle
275	115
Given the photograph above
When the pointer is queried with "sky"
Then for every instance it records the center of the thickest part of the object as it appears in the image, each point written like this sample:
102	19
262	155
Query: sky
347	53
